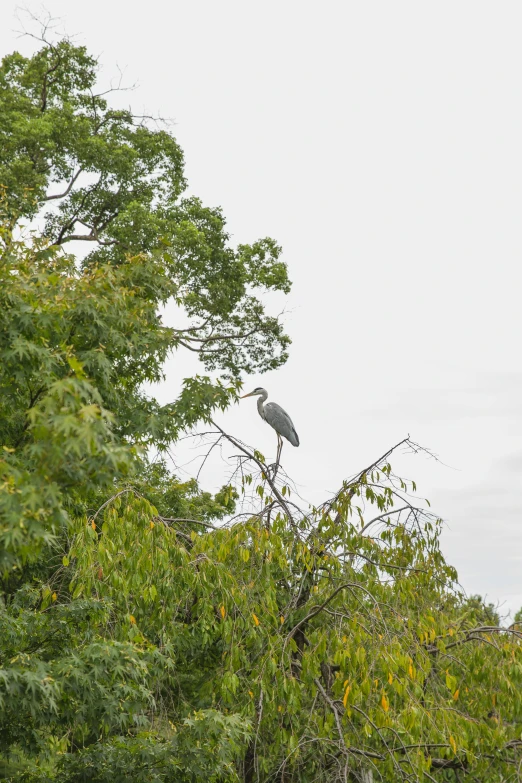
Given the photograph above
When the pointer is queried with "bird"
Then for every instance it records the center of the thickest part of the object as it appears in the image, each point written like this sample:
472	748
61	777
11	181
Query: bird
278	419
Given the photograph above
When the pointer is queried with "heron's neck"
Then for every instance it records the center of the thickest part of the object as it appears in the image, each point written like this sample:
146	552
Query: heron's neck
260	400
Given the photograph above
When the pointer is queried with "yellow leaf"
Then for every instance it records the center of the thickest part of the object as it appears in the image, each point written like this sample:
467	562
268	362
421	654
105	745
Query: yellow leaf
223	612
390	677
456	695
251	694
93	524
453	744
345	697
451	631
132	619
385	704
151	524
282	619
255	619
280	709
54	596
410	671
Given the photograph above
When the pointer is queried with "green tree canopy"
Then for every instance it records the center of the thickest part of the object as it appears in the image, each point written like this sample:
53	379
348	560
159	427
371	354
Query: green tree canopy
79	337
331	644
113	181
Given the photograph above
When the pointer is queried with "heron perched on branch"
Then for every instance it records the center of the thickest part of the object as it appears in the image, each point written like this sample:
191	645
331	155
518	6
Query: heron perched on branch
278	419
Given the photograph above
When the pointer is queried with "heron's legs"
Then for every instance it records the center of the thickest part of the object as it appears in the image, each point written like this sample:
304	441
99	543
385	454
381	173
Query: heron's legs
275	465
279	448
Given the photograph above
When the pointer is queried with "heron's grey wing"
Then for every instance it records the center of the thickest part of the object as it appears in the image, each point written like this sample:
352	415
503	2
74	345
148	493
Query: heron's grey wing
281	422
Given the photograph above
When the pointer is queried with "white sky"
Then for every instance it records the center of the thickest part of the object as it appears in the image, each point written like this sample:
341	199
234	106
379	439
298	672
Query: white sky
381	144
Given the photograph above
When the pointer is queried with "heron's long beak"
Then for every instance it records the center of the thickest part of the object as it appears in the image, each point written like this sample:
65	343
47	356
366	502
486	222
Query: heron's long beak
250	394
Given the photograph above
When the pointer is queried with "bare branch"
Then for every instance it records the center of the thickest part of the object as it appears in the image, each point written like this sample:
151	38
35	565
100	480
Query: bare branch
317	609
68	190
474	634
384	516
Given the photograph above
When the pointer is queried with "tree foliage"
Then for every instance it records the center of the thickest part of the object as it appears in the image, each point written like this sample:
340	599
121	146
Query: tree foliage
154	632
103	177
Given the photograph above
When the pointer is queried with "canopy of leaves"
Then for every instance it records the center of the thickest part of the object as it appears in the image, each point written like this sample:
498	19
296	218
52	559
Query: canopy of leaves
103	178
319	646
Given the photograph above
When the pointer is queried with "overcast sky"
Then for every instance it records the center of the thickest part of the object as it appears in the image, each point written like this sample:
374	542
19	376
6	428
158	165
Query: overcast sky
381	144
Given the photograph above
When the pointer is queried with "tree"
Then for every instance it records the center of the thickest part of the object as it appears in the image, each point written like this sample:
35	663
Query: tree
339	634
63	453
327	645
78	339
113	181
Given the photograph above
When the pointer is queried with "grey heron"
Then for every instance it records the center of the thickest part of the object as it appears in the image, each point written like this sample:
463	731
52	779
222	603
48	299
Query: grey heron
278	419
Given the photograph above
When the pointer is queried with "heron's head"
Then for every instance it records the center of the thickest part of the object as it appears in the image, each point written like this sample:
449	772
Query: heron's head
257	391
